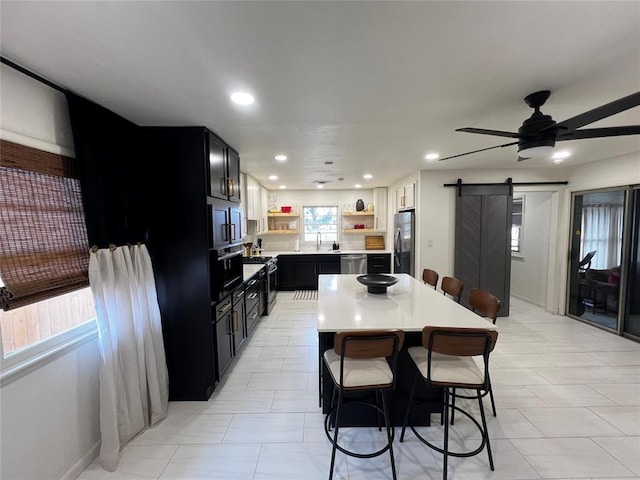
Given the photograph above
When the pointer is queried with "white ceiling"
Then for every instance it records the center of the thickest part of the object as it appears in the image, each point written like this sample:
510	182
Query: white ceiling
369	86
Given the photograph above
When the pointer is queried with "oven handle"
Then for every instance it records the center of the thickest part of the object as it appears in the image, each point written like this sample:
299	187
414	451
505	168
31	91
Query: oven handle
229	255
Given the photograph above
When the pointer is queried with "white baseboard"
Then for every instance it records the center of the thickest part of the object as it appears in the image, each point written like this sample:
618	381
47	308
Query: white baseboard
86	460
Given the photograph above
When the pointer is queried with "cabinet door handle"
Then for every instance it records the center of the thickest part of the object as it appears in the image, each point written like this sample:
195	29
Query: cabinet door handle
233	229
235	321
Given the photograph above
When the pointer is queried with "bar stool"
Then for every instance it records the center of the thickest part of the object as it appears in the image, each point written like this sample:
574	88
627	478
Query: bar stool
430	277
445	360
487	305
362	362
453	287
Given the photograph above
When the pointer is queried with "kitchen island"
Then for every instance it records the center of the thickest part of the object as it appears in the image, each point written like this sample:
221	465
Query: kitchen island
409	305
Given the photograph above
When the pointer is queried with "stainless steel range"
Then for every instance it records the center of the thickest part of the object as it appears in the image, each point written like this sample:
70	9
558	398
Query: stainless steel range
269	287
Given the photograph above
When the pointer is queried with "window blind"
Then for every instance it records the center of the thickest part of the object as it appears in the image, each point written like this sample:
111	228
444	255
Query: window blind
44	250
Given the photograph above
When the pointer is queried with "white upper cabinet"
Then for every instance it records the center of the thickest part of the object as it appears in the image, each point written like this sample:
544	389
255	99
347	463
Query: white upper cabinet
380	208
406	197
256	201
263	226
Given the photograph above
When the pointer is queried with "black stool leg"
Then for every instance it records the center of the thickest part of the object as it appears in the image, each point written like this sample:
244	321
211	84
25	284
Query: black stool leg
493	402
335	434
445	447
486	430
389	437
453	404
408	410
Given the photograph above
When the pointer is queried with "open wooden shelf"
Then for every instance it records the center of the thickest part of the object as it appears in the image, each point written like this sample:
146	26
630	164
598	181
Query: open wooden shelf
358	230
281	232
358	214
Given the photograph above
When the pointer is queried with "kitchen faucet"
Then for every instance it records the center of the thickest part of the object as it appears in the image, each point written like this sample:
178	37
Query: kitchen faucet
318	240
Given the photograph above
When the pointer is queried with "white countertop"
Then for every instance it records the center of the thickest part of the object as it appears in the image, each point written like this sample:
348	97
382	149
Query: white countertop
250	269
345	304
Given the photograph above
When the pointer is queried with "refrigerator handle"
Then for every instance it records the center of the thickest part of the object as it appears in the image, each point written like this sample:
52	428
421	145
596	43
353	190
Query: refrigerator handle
396	247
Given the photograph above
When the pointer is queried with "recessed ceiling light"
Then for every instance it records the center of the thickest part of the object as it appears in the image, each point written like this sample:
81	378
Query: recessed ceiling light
282	187
357	185
367	176
319	186
281	158
242	98
431	156
273	177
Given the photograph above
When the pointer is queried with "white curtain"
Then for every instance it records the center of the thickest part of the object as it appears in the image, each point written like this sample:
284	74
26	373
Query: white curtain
602	232
134	383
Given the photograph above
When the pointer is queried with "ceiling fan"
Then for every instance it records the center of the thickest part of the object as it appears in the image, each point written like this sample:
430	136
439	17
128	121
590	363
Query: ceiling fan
539	133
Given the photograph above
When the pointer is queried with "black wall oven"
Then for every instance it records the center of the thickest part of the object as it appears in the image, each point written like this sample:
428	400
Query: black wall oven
225	270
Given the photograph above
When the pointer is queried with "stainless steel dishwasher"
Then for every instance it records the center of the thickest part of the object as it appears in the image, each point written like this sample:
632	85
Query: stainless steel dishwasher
354	264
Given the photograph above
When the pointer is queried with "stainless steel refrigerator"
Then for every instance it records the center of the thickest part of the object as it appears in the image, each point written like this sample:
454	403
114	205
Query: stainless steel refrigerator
404	243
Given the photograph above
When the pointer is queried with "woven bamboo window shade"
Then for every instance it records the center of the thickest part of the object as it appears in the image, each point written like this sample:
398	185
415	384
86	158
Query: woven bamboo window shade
44	249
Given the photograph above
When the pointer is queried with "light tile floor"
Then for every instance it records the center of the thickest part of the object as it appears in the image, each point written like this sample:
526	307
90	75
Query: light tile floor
568	399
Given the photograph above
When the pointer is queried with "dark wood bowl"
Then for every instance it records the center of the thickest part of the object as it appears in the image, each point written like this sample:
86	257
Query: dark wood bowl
377	282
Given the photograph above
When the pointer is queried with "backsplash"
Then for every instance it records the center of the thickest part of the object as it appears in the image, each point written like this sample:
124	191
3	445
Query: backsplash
285	243
280	243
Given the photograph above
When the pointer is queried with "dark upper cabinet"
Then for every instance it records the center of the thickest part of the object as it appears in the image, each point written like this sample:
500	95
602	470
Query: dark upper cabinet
226	224
224	170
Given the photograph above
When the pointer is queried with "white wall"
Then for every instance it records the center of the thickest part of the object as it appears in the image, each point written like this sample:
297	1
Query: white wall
436	212
612	172
49	426
529	268
435	215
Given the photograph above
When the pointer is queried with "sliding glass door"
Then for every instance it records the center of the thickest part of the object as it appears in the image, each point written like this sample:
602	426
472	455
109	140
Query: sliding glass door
631	294
596	257
604	277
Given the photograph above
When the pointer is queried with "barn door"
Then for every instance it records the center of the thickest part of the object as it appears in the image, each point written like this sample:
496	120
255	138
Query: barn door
483	240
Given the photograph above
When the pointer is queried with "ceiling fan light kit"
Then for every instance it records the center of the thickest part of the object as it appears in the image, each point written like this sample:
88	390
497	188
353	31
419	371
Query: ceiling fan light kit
538	134
535	152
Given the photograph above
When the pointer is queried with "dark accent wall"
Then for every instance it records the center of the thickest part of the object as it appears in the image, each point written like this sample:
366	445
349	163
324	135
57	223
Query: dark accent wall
109	161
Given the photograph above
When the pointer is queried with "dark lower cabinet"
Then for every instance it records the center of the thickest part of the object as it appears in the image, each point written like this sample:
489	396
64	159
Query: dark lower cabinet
286	272
224	335
252	302
300	272
379	263
306	273
239	319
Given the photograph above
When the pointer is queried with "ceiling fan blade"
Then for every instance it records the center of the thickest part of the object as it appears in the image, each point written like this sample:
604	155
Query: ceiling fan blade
600	132
484	131
476	151
604	111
